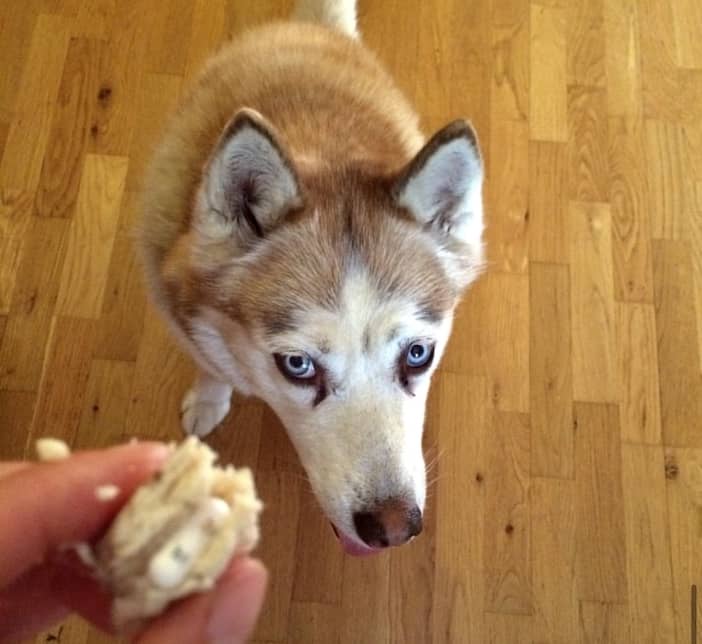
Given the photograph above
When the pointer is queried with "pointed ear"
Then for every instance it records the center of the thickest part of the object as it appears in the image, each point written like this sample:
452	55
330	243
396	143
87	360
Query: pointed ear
442	186
249	183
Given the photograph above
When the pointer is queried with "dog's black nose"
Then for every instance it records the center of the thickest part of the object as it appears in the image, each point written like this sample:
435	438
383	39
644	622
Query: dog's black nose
391	523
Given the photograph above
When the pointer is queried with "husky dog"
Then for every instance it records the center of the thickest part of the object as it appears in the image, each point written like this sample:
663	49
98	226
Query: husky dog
308	246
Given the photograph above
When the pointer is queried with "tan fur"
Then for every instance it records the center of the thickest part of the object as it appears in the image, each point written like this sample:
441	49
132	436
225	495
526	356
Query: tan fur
279	70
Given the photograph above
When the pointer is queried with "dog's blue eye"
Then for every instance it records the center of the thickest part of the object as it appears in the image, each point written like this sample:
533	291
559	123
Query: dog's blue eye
298	365
419	354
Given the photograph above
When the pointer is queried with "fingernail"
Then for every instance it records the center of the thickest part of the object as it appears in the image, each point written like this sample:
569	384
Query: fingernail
235	607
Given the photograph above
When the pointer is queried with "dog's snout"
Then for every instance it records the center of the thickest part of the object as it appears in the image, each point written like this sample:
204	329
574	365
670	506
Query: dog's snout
391	523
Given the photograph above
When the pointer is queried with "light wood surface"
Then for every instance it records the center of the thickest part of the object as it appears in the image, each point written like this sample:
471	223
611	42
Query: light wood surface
567	416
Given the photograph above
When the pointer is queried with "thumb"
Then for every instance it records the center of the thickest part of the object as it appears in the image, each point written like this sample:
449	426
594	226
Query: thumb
227	613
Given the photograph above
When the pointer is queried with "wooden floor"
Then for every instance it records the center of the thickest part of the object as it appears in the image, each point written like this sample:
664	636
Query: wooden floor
567	505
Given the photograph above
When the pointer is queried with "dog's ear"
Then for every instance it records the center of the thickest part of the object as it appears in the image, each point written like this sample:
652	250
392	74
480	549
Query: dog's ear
442	186
249	183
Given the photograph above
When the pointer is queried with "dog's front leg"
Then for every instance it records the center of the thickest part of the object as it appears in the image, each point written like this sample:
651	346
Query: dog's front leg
205	405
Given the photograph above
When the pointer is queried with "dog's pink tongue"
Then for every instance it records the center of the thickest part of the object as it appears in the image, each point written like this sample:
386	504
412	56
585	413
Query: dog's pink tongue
351	547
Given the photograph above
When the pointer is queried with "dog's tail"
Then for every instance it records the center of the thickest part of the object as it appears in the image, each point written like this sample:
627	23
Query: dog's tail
339	14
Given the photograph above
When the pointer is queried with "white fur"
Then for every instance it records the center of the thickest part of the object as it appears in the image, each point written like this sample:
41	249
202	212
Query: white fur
367	419
453	174
340	14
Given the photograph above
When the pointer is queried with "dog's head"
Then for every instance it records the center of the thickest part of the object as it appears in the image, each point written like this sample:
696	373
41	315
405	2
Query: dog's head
335	289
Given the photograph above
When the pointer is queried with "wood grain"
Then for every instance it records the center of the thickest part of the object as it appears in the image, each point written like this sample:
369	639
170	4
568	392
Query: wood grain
604	623
601	553
628	196
647	545
592	303
548	203
507	240
683	481
550	371
553	539
507	560
33	304
496	346
91	236
565	487
638	374
679	363
15	217
78	95
548	98
588	166
21	163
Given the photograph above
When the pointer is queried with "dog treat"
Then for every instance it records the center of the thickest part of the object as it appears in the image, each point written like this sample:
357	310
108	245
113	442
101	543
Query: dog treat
177	533
106	492
52	449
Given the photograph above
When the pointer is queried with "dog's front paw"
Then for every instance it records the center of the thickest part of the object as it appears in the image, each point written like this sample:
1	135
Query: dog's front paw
200	417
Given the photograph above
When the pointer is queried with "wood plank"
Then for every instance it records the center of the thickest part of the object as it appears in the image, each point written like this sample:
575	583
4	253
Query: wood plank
33	303
93	19
208	29
694	235
586	43
552	437
121	76
683	473
161	377
21	164
238	438
509	88
623	59
605	623
629	199
638	374
459	585
650	582
124	302
588	164
70	129
669	188
494	341
676	325
548	205
687	27
592	303
314	623
279	492
105	404
172	28
320	561
18	22
507	547
506	237
16	411
64	379
504	627
548	98
157	97
553	539
364	606
660	77
601	553
91	236
15	214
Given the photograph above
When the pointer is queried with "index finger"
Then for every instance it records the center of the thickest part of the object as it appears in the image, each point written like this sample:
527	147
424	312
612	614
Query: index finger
47	505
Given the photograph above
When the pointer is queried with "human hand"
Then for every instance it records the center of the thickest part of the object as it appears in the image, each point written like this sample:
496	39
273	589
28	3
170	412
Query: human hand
44	506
